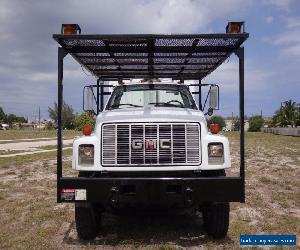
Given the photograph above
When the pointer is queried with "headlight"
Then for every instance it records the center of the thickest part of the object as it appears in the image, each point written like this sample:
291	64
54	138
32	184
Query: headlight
86	154
215	153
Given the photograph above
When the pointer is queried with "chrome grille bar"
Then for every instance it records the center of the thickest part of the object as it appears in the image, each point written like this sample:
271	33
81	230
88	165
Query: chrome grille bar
151	144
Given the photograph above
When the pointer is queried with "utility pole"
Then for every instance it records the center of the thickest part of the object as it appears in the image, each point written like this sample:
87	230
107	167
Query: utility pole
231	121
39	118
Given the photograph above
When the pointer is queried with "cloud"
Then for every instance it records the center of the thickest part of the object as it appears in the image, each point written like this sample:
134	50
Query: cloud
287	38
289	42
293	50
28	65
280	4
269	19
293	22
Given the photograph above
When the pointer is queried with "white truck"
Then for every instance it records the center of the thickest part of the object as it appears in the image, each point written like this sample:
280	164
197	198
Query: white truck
151	147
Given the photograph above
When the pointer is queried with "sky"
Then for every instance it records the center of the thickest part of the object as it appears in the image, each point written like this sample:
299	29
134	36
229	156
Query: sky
28	61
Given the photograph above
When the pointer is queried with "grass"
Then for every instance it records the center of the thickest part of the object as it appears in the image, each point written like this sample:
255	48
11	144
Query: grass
32	218
31	134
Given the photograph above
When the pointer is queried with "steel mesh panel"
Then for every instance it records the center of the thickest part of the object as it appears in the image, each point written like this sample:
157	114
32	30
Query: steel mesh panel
174	42
170	54
91	54
145	67
86	42
216	42
105	67
131	54
168	60
203	60
138	55
137	61
97	60
210	54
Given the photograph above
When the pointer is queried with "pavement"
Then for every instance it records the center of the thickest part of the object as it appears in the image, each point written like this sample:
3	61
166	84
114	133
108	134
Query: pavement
31	152
30	145
28	139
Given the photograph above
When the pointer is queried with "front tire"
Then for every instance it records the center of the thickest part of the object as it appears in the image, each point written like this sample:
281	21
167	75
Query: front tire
216	215
87	221
216	219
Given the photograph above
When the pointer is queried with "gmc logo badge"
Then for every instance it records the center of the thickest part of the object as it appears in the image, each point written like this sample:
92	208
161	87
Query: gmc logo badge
151	144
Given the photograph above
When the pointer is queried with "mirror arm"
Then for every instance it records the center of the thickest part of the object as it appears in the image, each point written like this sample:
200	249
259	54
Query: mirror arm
204	105
209	112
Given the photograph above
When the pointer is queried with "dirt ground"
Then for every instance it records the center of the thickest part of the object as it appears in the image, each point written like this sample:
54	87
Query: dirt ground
31	218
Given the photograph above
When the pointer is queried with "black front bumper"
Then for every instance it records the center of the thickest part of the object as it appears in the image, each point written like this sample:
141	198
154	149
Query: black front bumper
179	191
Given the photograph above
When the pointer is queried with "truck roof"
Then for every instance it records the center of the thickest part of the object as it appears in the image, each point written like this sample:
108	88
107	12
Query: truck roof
178	56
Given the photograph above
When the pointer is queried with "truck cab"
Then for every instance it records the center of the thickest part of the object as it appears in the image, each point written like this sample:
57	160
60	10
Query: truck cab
150	127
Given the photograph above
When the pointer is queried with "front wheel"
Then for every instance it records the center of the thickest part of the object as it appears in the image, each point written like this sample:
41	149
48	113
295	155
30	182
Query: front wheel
88	221
216	219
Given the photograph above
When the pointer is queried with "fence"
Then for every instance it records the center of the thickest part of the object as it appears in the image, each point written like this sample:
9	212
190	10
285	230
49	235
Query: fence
282	131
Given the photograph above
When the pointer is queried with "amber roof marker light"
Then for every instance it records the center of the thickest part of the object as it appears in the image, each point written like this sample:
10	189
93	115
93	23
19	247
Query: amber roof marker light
70	29
235	27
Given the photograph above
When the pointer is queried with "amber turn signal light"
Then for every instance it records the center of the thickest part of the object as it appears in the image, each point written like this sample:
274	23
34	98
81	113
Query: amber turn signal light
215	128
70	29
87	129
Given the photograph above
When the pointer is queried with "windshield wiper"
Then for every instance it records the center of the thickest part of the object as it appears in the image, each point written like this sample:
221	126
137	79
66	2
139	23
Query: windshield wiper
165	104
125	104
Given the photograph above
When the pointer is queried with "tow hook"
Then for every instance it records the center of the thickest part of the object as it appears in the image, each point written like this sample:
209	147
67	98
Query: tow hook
114	196
188	193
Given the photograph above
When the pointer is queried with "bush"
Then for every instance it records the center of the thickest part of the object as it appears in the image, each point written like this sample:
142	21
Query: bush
236	125
255	123
50	125
84	119
217	120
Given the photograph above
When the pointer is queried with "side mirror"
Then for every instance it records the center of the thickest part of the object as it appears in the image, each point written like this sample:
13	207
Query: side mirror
88	99
214	97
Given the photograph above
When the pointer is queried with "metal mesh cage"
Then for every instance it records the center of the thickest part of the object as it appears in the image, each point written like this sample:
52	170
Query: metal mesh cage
113	57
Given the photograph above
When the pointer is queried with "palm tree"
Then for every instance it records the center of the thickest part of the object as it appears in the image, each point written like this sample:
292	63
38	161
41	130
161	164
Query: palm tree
288	114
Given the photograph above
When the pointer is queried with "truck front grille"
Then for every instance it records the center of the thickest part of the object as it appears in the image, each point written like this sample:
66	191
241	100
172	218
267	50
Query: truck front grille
150	144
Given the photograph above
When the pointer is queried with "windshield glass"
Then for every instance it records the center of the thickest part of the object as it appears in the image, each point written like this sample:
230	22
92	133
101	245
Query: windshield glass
155	95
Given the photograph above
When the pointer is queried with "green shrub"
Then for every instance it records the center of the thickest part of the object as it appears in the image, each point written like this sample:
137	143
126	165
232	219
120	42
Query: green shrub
255	123
236	125
84	119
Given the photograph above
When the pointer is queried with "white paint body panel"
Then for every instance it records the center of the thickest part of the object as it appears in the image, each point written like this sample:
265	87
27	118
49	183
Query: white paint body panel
153	115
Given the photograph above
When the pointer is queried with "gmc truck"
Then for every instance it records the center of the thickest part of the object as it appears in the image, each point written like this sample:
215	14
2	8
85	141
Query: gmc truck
151	147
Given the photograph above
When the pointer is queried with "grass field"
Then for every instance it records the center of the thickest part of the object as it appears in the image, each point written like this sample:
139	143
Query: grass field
31	134
31	218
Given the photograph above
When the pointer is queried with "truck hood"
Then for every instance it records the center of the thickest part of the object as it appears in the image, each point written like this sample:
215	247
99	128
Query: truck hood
151	114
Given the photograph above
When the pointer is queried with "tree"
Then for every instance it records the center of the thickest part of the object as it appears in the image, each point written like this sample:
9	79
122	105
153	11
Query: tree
2	115
217	120
68	115
255	123
288	114
84	119
236	125
50	125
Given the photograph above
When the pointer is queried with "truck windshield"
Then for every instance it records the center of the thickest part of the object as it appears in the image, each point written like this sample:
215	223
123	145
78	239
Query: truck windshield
155	95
